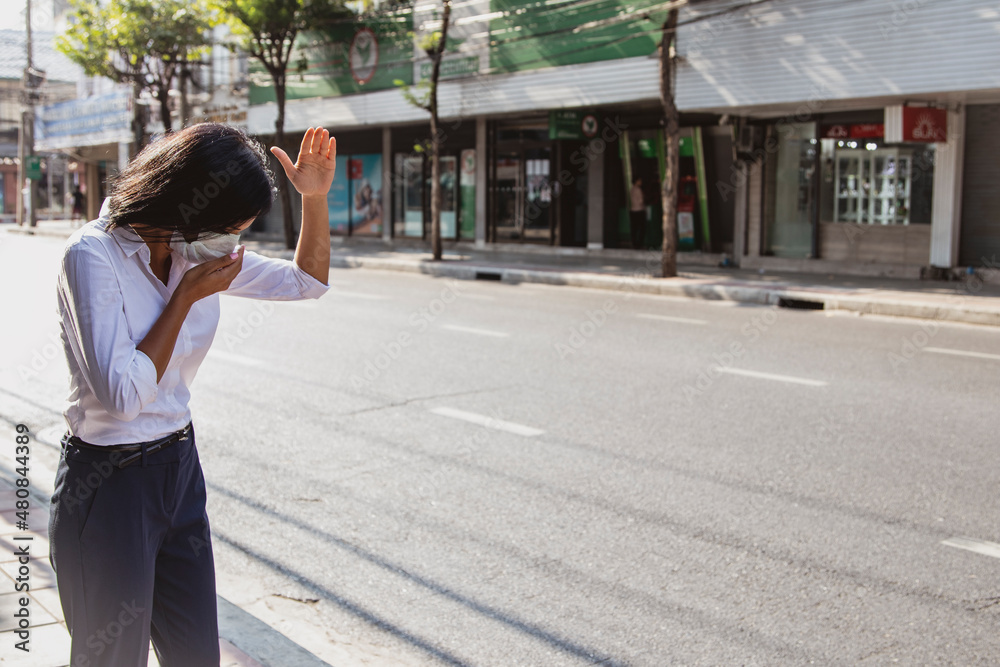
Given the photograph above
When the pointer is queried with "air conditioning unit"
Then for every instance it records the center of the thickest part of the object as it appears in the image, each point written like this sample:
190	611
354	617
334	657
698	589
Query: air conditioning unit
746	139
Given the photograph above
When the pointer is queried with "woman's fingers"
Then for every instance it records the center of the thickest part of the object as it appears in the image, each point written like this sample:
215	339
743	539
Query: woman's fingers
307	140
331	151
320	136
286	162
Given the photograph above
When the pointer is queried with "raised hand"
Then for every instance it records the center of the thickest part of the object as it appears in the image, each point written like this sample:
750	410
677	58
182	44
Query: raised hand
313	171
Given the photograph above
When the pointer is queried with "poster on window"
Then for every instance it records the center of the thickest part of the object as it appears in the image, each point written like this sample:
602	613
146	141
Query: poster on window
366	194
338	199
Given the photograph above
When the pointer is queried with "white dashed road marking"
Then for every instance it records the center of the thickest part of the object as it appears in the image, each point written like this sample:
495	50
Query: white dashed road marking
771	376
671	318
977	546
488	422
963	353
472	330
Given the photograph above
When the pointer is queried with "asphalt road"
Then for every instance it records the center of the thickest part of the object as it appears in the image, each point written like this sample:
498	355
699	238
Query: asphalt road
435	472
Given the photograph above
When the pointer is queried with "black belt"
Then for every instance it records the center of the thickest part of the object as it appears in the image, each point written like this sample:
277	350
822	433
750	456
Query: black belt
140	449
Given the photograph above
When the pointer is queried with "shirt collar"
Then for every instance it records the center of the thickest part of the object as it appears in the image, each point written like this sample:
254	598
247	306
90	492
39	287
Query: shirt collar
128	239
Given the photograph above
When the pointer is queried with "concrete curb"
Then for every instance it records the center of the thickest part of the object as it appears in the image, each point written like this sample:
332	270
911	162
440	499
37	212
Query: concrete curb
240	628
731	291
714	291
260	641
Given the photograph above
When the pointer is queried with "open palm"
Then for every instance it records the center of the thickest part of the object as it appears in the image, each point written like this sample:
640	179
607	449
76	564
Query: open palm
313	171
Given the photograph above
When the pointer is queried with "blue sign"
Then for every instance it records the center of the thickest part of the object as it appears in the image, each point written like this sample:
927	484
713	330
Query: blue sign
104	119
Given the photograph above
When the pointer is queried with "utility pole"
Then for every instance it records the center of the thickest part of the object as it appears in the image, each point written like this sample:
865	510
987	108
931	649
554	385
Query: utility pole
26	141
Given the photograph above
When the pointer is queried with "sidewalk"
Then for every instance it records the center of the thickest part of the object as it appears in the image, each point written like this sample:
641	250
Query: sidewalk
970	301
244	640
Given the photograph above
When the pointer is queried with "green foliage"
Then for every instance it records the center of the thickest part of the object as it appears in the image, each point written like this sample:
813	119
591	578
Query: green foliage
266	29
126	40
418	95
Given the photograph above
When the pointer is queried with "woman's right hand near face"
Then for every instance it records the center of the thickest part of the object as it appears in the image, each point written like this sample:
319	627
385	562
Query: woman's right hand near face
211	277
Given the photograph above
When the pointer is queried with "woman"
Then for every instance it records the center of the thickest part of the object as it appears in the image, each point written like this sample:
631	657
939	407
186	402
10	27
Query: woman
138	297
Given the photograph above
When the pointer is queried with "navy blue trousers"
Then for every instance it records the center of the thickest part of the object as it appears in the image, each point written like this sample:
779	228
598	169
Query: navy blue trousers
132	553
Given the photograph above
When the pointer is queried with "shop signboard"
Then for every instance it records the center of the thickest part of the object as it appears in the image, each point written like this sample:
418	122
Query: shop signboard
915	125
103	119
33	167
923	124
573	125
856	131
345	58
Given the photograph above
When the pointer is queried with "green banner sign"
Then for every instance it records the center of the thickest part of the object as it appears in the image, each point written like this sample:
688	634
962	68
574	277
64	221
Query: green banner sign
353	57
576	125
33	167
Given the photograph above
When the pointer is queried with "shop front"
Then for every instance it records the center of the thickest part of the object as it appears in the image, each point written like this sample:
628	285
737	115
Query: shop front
411	178
836	188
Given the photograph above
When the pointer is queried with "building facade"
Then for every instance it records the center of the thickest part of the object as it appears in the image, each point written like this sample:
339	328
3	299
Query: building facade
851	136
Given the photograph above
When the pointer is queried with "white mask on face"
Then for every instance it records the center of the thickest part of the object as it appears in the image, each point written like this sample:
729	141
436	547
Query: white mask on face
206	249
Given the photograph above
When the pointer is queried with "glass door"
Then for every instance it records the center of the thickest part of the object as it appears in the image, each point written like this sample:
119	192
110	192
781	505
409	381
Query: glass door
537	195
509	200
791	224
449	196
412	204
523	195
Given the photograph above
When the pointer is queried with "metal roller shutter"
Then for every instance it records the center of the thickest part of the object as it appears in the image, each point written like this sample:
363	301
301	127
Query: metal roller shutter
980	231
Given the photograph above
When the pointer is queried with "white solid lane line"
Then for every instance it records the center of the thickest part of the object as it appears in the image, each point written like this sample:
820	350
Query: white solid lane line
229	358
963	353
671	318
771	376
472	330
488	422
977	546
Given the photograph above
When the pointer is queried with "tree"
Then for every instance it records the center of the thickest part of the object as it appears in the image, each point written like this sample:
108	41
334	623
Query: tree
267	30
434	45
671	116
138	42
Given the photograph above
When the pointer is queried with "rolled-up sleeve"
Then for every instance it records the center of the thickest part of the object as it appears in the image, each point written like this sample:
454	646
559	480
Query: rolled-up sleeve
274	279
91	304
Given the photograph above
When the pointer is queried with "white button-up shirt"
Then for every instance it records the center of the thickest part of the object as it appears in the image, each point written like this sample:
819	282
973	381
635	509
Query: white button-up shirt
109	299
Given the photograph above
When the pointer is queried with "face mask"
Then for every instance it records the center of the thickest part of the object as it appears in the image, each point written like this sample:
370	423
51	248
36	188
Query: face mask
204	250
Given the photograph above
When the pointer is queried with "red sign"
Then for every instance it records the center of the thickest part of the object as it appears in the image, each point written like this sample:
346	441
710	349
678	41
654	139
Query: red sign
354	169
925	124
865	131
868	131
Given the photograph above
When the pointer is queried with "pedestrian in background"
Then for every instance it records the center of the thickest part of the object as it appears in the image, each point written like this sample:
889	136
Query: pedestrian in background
139	302
637	213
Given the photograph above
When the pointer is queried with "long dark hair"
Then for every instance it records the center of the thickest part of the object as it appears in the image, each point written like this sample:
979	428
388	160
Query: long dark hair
206	178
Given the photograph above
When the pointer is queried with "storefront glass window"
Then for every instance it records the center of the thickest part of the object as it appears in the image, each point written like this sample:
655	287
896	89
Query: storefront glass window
791	220
868	182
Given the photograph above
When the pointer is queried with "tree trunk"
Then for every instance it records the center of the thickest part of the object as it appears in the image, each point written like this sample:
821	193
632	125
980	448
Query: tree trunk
436	138
668	266
163	95
279	140
138	117
185	111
